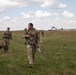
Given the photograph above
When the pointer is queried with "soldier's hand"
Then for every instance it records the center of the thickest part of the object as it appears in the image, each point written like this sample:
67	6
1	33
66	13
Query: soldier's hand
27	36
40	43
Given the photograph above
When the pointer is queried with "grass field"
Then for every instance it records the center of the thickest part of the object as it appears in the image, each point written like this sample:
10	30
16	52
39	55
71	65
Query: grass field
58	56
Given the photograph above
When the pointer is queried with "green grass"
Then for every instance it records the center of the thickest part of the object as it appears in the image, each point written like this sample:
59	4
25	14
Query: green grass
55	58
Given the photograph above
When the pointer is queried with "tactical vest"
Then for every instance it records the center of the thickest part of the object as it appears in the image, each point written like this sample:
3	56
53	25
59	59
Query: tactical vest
33	37
7	34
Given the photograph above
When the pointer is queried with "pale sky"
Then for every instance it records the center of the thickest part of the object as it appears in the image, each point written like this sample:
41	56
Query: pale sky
44	14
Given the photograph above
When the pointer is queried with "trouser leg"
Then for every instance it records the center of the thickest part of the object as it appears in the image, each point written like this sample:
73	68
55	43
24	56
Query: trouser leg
31	53
6	45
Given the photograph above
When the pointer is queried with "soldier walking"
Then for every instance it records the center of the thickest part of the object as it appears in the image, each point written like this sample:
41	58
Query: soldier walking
6	38
32	41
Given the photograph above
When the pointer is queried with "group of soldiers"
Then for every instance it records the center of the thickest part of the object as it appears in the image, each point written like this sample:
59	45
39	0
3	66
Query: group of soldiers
32	37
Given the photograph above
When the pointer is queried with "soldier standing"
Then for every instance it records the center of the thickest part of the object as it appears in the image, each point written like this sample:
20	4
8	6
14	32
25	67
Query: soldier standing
6	38
42	32
32	41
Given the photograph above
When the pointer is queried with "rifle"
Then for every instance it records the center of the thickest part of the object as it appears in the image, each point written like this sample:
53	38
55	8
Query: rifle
39	50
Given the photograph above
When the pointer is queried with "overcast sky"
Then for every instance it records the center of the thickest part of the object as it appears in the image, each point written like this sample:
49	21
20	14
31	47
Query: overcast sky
44	14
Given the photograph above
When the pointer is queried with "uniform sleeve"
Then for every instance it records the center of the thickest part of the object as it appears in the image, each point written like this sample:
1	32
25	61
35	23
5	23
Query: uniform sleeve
39	37
3	35
10	35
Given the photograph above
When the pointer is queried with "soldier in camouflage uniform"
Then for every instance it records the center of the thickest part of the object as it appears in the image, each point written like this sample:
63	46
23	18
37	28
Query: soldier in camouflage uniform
32	41
25	33
6	38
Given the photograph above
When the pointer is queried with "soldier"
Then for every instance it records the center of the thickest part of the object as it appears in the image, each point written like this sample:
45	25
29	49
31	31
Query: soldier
6	38
32	41
42	32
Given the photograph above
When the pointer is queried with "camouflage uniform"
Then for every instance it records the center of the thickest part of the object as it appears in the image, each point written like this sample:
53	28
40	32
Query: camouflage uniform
1	44
5	39
25	33
32	42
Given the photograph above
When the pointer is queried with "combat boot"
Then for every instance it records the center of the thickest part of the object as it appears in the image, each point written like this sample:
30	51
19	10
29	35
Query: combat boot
31	66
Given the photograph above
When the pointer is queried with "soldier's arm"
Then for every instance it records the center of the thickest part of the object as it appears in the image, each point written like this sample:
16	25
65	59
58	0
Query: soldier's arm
3	35
39	37
10	35
25	34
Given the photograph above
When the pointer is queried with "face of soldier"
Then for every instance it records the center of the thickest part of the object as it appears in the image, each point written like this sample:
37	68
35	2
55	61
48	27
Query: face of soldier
8	29
29	26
